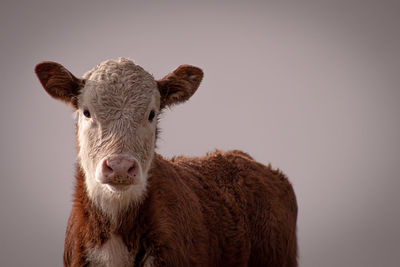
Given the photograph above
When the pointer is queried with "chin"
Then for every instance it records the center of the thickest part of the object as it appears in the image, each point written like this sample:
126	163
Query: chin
113	199
118	188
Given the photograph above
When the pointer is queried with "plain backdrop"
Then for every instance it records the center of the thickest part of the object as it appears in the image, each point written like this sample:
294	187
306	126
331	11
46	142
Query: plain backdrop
311	87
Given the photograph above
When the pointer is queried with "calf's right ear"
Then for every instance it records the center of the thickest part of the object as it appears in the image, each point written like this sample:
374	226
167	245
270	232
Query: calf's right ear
59	82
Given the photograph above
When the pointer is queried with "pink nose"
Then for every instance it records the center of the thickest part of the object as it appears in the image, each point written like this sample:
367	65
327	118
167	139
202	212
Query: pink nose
119	170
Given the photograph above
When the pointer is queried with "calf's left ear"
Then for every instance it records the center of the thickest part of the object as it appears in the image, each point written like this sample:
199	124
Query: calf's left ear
179	85
59	82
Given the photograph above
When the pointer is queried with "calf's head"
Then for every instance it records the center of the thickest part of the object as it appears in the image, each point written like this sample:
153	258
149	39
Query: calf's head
117	104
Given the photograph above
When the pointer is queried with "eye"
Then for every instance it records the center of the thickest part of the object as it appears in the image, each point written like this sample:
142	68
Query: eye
151	115
86	113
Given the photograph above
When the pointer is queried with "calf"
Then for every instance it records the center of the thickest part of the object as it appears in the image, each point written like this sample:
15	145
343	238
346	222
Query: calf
132	207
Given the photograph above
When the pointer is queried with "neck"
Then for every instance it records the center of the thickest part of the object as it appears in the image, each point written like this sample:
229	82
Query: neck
109	209
99	227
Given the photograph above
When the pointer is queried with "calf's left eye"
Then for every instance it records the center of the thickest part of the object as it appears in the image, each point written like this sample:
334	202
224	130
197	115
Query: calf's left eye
152	115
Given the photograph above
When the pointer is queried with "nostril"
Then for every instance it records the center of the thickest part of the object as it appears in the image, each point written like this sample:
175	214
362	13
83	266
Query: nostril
107	170
132	170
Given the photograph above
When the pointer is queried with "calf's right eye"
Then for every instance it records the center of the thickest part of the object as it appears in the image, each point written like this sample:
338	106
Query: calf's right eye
152	115
86	113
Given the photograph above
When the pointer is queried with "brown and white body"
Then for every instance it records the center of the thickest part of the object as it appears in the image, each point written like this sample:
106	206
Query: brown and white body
132	207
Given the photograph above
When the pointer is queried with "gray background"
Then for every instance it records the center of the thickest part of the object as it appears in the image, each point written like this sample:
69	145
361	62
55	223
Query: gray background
311	87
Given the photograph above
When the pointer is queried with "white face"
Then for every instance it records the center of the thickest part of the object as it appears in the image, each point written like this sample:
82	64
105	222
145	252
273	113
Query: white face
117	117
117	104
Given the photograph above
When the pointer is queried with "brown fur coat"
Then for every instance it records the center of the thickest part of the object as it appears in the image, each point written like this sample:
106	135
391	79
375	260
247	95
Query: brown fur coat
223	209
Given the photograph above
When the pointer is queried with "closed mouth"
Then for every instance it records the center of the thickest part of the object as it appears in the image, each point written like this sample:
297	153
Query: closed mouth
117	187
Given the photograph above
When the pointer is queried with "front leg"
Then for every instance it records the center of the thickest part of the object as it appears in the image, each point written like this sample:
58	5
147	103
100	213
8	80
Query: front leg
73	249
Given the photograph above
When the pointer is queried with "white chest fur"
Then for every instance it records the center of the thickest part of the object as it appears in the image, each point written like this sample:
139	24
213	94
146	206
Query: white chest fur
112	253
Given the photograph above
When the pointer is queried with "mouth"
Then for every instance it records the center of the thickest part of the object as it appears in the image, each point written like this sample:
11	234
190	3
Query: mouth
117	187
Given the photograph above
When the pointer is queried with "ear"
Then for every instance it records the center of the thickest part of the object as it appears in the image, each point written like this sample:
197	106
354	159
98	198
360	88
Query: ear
59	82
179	85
